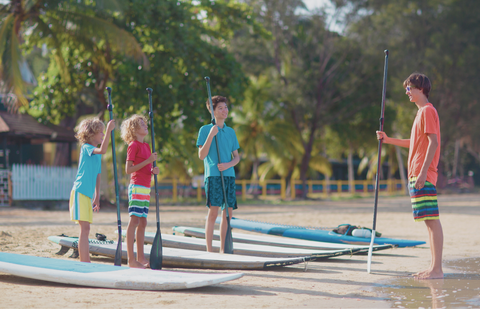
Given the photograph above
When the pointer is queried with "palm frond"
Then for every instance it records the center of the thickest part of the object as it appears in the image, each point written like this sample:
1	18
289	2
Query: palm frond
82	25
14	74
42	26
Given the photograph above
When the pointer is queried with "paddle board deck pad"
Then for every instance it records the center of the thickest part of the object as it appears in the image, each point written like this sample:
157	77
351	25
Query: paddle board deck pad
316	235
173	241
105	276
279	241
182	258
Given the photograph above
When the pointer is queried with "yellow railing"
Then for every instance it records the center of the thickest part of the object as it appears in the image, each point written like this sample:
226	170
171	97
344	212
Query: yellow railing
278	187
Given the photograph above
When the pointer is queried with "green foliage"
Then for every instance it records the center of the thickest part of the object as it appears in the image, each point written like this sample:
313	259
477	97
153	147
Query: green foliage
184	43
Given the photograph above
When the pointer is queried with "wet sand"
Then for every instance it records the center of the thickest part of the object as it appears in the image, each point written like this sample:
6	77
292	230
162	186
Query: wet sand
335	283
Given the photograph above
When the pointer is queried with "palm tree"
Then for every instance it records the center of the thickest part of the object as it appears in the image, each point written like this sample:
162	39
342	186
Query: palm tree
56	23
255	123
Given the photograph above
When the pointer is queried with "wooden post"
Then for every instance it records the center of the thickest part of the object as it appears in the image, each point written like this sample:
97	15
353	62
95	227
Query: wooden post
174	194
244	190
339	186
292	186
264	189
283	189
199	190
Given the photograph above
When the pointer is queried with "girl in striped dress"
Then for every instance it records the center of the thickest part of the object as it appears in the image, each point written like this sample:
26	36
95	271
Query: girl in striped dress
139	166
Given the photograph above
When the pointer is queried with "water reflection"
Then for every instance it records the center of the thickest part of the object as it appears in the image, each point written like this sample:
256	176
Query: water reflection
460	289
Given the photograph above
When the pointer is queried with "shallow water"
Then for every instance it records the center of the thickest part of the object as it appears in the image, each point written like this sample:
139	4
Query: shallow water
459	289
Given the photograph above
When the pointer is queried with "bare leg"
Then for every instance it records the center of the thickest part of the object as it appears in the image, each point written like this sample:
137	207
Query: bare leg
223	228
83	246
421	273
436	243
209	225
140	242
132	225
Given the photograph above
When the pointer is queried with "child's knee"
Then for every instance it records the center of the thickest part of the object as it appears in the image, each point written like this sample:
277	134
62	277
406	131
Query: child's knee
134	221
142	223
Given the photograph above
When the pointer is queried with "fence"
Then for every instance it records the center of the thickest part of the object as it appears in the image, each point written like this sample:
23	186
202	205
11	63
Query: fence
277	188
32	182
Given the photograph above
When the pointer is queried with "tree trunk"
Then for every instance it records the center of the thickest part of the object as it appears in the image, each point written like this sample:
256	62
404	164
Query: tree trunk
351	176
455	158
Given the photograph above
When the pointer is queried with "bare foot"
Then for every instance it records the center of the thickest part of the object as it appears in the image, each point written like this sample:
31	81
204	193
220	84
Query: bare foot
431	275
421	273
135	264
145	263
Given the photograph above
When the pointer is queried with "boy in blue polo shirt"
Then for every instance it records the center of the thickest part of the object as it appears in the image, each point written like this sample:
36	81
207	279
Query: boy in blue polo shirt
207	151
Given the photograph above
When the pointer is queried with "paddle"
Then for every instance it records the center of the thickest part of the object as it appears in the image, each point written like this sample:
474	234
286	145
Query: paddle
384	92
156	251
228	247
118	253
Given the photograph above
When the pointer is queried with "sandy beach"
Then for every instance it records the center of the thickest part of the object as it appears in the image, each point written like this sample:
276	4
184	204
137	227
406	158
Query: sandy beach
340	282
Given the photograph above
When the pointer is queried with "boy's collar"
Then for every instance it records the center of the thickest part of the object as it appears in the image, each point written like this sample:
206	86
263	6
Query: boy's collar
224	126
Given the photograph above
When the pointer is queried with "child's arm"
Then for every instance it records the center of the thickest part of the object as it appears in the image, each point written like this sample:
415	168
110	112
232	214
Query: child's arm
432	148
235	160
394	141
103	148
130	168
204	149
96	196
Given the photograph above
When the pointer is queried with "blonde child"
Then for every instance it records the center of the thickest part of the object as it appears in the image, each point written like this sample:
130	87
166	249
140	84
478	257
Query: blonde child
139	165
87	182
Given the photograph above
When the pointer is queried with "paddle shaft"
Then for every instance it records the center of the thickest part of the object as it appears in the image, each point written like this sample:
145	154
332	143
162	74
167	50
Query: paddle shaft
156	251
229	231
118	254
377	180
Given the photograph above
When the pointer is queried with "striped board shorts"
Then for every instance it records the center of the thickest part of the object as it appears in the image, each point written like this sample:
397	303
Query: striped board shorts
424	201
138	200
80	206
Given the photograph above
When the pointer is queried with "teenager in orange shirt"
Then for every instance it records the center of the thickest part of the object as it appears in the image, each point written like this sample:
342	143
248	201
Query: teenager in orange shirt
423	158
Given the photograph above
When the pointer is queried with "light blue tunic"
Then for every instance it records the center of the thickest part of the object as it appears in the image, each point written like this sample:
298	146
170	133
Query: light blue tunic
89	166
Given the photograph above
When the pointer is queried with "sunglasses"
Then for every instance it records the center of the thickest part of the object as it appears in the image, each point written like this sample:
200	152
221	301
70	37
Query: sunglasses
409	88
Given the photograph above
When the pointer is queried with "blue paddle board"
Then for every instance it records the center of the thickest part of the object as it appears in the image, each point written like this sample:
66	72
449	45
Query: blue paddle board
105	276
316	235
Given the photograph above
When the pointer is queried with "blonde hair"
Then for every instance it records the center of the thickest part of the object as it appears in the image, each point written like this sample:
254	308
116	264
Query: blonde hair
130	126
88	128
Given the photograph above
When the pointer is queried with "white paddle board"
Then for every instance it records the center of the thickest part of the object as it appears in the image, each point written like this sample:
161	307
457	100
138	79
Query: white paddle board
174	241
278	241
105	276
182	258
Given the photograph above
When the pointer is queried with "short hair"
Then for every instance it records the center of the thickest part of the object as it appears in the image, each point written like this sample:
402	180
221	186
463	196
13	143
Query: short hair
215	100
420	81
130	126
88	128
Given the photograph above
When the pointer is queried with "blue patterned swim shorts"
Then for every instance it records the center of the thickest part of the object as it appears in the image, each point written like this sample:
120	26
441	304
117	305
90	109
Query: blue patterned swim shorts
214	191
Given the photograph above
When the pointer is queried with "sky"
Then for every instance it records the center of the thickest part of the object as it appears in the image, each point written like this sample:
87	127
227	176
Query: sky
312	4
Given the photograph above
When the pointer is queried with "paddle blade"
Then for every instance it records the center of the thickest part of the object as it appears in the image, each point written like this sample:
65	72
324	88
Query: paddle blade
118	253
156	251
370	250
228	239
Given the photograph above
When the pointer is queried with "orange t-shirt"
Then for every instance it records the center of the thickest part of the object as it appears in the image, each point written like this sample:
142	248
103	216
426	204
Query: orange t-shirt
426	122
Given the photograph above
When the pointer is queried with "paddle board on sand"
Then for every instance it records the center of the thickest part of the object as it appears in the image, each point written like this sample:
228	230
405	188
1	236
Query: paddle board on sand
279	241
173	241
317	235
105	276
182	258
